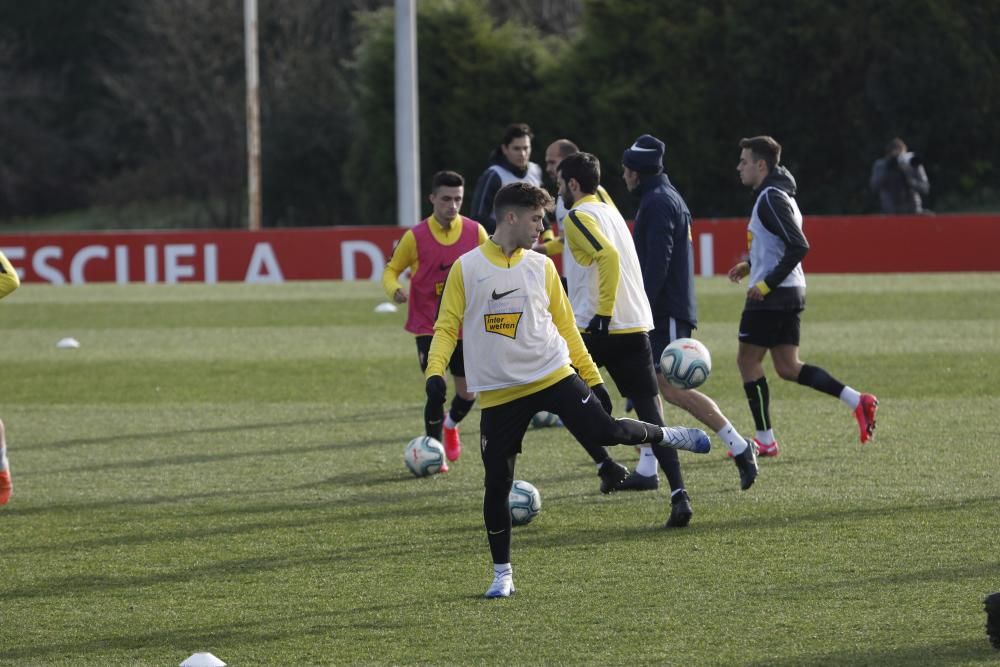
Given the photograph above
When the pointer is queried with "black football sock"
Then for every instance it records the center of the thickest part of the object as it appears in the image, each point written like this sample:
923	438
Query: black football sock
820	380
459	408
760	400
496	512
433	419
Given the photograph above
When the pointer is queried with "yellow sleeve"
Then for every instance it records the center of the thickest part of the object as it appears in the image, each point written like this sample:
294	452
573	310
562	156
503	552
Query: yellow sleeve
403	257
565	321
448	323
9	281
603	196
589	245
553	246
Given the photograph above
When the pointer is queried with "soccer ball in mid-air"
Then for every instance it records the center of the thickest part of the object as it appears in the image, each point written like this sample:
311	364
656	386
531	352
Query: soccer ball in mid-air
686	363
544	419
424	456
525	502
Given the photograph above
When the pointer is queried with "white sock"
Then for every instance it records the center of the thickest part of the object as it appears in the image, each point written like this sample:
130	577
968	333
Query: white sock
766	437
737	443
448	421
502	568
647	462
850	396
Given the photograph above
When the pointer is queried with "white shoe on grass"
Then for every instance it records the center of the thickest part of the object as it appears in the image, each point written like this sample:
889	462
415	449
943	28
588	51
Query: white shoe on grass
502	586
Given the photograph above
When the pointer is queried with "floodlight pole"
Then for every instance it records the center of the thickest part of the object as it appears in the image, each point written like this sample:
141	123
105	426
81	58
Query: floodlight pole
253	114
407	119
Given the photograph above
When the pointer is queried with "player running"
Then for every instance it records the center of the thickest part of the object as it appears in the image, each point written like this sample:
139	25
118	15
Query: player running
777	294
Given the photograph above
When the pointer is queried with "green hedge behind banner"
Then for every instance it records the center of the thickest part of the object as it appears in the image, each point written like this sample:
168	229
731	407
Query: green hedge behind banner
125	102
832	82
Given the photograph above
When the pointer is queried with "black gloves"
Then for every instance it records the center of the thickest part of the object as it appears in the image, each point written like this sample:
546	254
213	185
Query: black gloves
598	325
602	395
437	390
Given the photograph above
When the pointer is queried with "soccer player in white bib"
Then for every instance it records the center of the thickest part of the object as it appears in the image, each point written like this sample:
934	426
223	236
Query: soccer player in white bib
9	282
777	294
605	287
522	345
510	162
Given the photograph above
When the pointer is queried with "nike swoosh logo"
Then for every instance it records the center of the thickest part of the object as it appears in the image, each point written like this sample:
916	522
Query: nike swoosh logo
496	532
479	280
743	335
584	400
444	267
503	294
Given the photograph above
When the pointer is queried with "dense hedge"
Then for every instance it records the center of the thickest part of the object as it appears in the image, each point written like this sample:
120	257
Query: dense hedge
89	116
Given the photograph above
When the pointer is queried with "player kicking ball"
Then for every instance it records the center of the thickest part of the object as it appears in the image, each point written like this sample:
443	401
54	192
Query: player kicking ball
522	345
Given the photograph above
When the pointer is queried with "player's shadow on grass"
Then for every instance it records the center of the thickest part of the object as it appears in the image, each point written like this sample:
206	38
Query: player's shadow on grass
849	514
374	507
359	417
193	459
230	572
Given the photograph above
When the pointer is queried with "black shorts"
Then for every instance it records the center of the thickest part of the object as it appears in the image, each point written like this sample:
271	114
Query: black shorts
628	360
457	363
502	427
660	338
770	328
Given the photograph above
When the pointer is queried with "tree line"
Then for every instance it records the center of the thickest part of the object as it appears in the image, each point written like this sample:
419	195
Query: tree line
112	102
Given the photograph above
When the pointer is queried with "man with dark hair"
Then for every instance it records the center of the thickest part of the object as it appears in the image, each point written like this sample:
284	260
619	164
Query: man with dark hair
899	180
662	236
428	251
510	162
605	288
777	294
523	346
555	153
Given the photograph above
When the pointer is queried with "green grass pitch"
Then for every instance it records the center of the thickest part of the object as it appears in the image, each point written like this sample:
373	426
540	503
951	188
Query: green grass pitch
219	468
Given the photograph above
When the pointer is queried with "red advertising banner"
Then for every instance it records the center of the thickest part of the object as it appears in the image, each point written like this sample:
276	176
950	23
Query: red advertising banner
839	244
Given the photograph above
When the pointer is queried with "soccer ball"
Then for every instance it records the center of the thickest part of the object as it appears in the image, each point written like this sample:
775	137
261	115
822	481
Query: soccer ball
525	502
686	363
543	419
424	456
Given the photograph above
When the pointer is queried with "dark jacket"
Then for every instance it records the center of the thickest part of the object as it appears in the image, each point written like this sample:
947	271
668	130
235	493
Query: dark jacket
662	236
900	183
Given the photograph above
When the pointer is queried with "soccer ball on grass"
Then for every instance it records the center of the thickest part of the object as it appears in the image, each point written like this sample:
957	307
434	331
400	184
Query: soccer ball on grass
424	456
686	363
525	502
